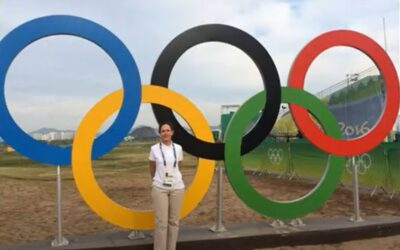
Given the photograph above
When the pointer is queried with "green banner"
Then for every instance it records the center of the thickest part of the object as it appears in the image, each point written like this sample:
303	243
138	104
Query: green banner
378	167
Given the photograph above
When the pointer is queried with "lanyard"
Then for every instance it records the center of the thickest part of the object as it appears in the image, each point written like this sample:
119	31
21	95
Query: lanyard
163	156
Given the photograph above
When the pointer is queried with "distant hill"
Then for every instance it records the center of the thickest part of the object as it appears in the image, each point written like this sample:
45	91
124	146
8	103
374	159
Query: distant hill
48	130
44	131
144	132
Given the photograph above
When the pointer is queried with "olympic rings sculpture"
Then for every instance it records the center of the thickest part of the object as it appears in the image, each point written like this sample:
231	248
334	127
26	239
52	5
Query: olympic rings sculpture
201	144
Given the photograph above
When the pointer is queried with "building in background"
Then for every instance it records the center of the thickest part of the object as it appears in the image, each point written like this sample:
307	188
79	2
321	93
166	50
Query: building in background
67	135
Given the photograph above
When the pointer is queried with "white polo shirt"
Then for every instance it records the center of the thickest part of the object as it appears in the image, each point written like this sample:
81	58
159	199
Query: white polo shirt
161	169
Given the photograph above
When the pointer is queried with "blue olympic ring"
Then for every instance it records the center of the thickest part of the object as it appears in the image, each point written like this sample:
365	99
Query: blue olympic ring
29	32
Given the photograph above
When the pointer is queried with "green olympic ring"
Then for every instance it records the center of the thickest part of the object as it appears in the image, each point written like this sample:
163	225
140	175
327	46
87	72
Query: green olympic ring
280	209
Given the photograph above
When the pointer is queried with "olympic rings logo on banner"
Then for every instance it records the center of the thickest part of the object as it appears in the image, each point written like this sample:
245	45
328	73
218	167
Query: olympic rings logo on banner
362	162
201	144
275	155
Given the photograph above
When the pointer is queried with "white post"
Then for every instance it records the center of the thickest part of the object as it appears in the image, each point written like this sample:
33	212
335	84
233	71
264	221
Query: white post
219	227
356	216
60	240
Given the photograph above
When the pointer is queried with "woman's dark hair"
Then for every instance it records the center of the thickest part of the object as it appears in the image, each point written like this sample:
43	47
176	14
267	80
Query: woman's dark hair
165	123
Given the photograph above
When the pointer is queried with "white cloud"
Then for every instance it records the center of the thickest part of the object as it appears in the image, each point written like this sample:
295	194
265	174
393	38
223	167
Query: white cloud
76	74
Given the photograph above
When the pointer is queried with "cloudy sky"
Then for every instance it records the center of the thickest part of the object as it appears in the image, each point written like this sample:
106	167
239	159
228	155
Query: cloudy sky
54	81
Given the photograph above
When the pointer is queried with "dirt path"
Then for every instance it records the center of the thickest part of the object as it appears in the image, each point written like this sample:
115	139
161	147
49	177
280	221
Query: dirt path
27	207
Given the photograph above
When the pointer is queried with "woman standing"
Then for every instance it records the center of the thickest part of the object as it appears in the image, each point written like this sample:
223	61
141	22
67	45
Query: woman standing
167	188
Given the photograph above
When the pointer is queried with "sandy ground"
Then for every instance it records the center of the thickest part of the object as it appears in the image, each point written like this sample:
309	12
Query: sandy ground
27	207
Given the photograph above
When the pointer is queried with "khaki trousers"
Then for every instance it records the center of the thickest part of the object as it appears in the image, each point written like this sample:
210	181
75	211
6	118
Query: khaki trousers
167	205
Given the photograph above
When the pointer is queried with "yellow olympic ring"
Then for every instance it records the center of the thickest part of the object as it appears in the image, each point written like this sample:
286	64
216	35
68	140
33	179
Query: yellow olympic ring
82	170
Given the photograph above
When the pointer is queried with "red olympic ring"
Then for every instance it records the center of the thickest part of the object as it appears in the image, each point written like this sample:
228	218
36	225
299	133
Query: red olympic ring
296	79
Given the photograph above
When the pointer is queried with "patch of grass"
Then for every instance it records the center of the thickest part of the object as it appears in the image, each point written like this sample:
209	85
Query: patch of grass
127	157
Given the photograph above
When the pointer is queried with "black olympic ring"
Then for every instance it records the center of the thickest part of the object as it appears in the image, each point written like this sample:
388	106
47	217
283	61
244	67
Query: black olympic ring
250	46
